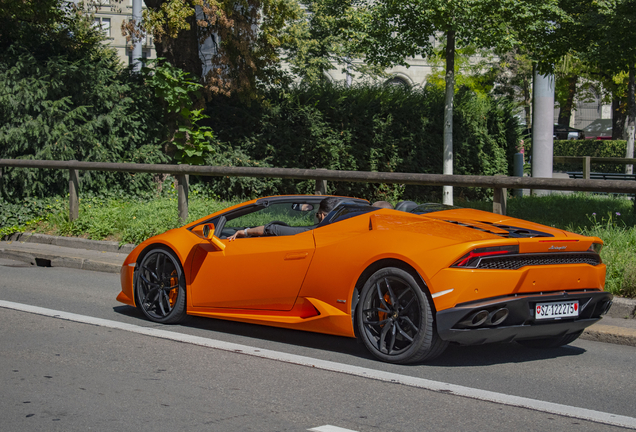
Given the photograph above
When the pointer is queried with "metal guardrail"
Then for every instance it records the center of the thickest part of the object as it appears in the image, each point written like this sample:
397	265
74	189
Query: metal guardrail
181	173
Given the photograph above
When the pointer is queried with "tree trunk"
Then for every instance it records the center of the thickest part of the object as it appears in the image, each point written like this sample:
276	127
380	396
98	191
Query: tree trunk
631	118
565	111
447	197
182	51
527	101
618	118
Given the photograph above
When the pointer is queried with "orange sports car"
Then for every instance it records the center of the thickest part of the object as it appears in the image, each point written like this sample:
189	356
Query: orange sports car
407	283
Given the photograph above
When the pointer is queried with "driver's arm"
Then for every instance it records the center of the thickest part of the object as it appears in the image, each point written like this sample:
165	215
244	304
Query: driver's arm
251	232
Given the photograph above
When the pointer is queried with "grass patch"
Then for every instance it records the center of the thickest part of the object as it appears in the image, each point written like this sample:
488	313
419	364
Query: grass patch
572	212
127	221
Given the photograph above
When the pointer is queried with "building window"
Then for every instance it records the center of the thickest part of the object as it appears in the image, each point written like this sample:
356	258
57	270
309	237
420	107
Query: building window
397	81
103	24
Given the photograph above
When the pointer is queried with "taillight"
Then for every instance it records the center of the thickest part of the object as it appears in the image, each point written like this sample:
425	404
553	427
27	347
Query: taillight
472	258
596	247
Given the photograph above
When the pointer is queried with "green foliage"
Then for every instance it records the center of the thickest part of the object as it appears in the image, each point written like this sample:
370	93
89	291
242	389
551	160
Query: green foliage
247	37
573	212
47	28
131	219
362	128
314	48
628	287
240	187
18	216
61	108
595	148
192	142
619	235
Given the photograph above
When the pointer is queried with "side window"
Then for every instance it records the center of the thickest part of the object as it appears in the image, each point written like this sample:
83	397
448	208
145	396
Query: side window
292	214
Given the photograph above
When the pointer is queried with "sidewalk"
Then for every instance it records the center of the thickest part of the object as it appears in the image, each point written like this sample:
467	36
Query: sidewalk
51	251
618	327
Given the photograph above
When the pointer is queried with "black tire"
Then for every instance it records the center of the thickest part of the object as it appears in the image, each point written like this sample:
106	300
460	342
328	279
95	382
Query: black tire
160	287
394	319
550	342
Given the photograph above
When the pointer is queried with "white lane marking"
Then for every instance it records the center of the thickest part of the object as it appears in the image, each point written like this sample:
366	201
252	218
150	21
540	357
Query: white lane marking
437	386
329	428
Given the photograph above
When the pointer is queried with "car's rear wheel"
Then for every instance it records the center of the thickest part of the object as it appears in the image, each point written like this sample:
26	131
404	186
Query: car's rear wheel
160	287
394	318
551	342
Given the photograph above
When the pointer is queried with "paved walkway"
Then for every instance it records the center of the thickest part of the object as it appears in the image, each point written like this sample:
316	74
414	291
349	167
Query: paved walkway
618	327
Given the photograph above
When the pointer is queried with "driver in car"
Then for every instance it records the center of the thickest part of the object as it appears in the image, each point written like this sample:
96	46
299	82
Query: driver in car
274	229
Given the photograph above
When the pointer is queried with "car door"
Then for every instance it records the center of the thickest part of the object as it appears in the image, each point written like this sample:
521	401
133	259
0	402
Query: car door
251	273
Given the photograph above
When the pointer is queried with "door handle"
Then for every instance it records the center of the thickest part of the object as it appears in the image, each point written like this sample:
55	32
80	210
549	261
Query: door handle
296	256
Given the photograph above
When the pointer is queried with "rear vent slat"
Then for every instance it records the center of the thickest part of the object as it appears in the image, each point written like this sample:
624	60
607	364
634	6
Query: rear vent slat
505	231
518	261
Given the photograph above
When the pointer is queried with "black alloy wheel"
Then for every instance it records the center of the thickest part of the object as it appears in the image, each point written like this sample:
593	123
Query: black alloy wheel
160	287
395	320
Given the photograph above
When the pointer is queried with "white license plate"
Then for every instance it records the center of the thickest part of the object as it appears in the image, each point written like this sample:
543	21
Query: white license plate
557	310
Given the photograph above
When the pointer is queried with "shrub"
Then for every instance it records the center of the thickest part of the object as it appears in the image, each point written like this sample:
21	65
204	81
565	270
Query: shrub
366	128
65	107
595	148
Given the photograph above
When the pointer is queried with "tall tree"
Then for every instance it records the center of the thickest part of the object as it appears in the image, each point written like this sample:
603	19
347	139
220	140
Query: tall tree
313	48
603	33
46	27
512	77
246	37
389	32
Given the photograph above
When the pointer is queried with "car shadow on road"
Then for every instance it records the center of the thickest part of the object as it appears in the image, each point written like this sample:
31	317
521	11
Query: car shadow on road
454	356
292	338
499	353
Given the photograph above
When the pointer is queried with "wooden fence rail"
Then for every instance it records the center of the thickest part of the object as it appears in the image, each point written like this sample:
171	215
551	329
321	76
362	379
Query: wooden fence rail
181	173
588	160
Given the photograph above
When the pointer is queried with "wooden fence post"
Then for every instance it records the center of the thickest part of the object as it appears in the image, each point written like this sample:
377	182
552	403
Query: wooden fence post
73	198
499	201
586	167
182	195
321	186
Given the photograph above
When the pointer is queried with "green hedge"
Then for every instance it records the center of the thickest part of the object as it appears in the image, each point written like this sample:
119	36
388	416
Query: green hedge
595	148
361	128
63	108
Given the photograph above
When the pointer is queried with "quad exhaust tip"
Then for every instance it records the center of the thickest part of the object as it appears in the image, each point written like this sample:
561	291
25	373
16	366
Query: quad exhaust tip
485	318
479	318
498	316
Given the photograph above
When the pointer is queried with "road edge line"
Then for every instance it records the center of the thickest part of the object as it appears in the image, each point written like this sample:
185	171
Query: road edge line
422	383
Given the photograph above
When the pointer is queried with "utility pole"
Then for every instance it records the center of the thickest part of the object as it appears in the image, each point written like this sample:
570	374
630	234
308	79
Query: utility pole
542	127
136	54
447	191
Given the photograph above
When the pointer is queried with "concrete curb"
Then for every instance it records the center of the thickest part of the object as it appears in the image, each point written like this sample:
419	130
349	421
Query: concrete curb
55	260
70	252
73	242
610	334
623	308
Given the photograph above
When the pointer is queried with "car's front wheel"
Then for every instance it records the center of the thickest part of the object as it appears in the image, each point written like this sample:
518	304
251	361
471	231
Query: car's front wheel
394	318
160	287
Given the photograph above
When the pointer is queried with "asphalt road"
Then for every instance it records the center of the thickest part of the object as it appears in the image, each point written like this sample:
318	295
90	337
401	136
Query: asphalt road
63	375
